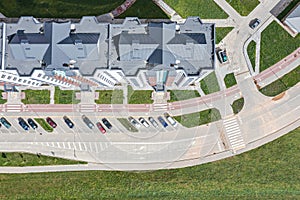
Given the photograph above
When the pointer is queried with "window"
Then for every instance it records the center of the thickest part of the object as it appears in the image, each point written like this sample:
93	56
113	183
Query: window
15	79
3	76
9	77
39	75
29	82
24	81
20	80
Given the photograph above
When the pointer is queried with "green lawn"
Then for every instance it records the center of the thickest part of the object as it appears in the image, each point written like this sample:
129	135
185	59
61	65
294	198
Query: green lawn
179	95
110	97
42	122
205	9
221	32
139	96
268	172
26	159
237	105
229	80
65	96
199	118
276	44
282	84
127	124
2	101
36	97
251	50
288	9
144	9
244	7
210	84
57	8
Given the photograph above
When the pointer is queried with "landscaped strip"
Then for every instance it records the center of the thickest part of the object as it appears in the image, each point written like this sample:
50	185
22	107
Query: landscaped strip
237	105
244	7
65	96
276	44
57	9
36	97
144	9
251	50
127	124
44	124
229	80
179	95
221	32
110	97
205	9
199	118
2	101
139	96
25	159
210	84
282	84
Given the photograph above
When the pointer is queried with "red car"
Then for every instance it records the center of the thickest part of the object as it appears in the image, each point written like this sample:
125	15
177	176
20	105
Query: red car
51	122
100	127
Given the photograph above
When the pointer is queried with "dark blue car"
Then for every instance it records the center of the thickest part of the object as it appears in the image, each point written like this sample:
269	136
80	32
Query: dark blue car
162	121
23	124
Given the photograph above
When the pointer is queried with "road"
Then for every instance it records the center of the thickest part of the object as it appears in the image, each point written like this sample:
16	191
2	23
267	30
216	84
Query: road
261	120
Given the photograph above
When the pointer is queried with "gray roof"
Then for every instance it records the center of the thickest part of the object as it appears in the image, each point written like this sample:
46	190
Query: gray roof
293	19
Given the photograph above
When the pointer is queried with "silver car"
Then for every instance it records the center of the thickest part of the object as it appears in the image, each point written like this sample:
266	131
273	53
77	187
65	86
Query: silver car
88	122
153	122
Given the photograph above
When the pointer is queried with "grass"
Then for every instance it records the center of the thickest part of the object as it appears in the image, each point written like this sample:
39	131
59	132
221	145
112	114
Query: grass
26	159
205	9
229	80
57	9
2	101
282	84
110	97
268	172
237	105
65	96
251	50
144	9
244	7
276	44
221	32
179	95
288	9
139	96
127	124
210	84
199	118
42	122
36	97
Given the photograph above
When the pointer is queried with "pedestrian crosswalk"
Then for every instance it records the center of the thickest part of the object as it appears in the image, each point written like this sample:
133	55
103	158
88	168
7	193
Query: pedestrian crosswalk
14	107
87	107
233	133
95	147
160	107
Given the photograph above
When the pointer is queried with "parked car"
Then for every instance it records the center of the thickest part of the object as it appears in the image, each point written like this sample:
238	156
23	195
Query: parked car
144	122
222	55
51	122
254	23
5	122
170	119
134	122
106	123
162	121
100	127
88	122
23	124
68	122
32	123
153	122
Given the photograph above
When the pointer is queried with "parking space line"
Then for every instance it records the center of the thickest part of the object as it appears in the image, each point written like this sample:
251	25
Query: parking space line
96	145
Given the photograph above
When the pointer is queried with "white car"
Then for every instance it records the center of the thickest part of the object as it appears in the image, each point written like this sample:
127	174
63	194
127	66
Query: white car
134	122
144	122
170	120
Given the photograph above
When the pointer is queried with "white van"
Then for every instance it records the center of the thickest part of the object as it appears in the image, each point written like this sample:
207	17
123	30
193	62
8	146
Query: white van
170	120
